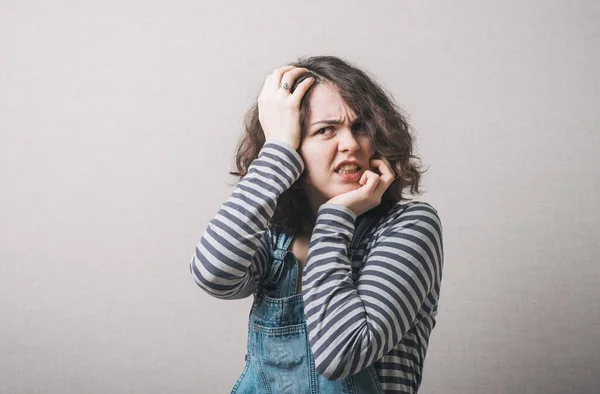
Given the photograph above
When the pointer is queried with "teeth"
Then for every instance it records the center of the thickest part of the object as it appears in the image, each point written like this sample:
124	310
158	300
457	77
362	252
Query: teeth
347	168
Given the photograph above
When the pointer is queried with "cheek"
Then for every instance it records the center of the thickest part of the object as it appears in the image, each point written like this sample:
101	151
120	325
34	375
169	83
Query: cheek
366	145
316	167
368	148
316	160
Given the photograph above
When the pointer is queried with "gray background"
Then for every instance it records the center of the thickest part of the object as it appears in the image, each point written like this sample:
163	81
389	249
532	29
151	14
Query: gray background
118	124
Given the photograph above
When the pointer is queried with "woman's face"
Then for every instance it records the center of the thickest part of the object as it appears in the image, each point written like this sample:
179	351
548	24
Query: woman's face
331	136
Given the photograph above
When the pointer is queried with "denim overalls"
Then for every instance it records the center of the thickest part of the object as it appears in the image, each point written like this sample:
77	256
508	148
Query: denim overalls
278	357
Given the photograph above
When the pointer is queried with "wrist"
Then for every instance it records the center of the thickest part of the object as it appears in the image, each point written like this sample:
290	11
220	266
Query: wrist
288	144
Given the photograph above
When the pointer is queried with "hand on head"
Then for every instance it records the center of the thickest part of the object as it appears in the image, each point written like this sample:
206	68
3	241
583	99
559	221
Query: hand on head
279	108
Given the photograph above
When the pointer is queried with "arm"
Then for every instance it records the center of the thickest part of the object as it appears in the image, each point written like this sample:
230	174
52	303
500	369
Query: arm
351	325
233	253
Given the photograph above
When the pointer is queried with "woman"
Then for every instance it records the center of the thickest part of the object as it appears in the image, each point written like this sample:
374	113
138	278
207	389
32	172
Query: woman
345	276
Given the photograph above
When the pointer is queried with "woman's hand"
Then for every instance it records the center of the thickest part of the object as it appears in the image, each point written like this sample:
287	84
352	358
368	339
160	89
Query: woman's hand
279	109
369	195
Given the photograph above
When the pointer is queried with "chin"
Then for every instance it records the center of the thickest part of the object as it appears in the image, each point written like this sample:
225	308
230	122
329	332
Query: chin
345	189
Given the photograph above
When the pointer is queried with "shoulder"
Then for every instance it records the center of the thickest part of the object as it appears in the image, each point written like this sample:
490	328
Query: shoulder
410	208
407	214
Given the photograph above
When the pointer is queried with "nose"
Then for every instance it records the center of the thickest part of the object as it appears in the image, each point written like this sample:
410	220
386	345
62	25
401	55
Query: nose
347	141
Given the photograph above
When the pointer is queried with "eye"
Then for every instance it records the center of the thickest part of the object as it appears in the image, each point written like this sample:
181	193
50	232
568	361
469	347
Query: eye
321	131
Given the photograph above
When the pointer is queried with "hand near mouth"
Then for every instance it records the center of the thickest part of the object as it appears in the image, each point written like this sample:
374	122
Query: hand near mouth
373	186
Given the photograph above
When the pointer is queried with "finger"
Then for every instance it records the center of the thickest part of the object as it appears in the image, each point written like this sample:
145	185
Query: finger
372	180
385	169
289	77
387	175
363	178
266	84
277	75
382	160
301	89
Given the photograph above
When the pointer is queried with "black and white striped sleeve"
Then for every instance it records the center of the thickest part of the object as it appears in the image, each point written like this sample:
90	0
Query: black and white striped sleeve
233	252
353	324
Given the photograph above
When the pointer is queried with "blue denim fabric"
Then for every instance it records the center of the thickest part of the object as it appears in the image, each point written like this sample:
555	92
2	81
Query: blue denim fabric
279	359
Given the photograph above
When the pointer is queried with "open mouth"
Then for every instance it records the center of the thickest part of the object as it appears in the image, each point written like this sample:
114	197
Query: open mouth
347	169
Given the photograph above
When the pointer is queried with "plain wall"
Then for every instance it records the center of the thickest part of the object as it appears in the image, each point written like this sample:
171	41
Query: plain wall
118	125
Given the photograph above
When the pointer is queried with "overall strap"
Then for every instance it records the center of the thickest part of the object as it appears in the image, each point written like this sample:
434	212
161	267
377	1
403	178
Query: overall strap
283	241
275	278
278	254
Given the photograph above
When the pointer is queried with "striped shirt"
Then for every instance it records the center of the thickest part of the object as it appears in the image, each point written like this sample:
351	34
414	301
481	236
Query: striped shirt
379	308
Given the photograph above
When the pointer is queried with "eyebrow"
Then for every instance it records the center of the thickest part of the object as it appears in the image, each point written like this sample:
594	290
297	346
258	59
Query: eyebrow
333	121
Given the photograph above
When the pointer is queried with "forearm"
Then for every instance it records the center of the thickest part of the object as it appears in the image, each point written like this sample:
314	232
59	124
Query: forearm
233	251
352	323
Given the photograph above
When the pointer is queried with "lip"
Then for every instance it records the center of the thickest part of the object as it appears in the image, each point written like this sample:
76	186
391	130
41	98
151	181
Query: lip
354	177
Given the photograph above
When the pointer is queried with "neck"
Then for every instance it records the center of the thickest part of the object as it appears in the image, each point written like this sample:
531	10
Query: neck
315	200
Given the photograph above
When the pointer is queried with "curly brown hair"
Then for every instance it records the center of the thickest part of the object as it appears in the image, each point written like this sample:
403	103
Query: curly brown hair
387	128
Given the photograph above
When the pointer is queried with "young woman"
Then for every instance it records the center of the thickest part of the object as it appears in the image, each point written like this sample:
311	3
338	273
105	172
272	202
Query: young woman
345	273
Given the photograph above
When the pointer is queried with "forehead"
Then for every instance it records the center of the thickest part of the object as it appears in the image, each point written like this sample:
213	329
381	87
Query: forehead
326	103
